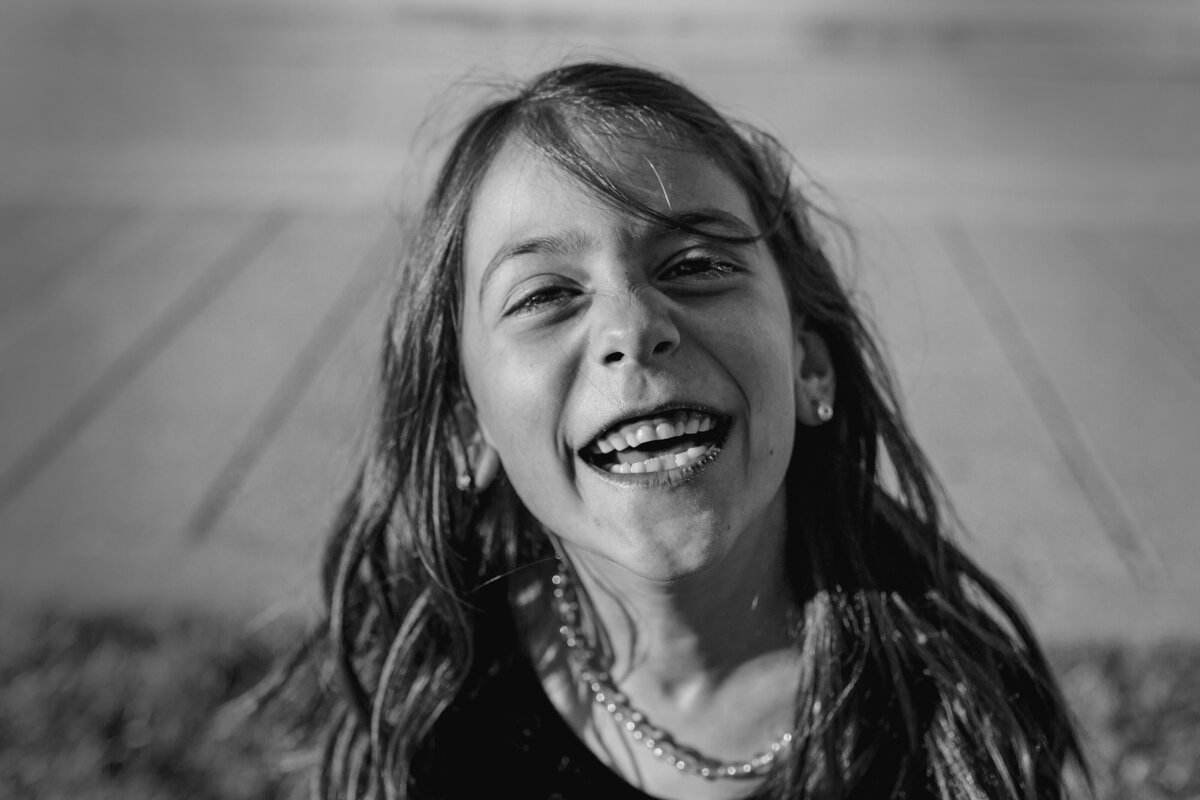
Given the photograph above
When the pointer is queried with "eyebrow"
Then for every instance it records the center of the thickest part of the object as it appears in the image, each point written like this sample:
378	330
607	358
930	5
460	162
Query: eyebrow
566	243
715	222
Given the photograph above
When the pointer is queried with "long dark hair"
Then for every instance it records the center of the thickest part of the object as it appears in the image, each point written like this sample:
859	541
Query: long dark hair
900	627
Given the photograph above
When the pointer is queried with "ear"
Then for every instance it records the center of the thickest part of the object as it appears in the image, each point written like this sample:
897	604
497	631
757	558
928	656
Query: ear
815	382
476	462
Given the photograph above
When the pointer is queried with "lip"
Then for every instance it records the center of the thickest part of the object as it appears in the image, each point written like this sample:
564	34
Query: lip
668	477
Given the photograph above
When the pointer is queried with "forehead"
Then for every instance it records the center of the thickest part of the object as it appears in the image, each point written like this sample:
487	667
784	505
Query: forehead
525	194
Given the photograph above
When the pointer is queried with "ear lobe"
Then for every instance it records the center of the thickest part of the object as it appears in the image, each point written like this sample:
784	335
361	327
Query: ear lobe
815	382
487	467
476	462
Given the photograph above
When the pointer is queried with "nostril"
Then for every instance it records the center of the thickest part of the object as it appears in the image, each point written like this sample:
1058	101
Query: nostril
614	357
662	347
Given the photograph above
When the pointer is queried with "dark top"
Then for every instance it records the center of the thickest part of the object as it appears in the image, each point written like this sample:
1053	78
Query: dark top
504	733
502	730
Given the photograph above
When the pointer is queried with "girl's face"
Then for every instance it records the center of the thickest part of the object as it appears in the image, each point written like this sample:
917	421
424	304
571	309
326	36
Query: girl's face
637	381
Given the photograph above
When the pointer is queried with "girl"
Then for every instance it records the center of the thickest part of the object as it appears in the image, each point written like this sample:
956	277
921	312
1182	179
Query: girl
642	516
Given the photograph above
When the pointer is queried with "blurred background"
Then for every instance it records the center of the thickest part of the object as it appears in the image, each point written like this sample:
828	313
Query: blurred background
199	208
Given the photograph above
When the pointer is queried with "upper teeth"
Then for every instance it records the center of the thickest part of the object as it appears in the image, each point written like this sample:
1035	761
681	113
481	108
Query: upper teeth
656	429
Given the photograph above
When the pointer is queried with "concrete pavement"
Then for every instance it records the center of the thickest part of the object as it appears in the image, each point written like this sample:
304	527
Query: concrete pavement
191	289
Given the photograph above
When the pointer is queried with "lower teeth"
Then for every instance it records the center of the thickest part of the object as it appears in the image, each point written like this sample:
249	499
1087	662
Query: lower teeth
661	463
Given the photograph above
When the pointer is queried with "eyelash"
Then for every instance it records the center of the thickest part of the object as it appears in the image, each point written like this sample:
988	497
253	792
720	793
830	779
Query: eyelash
707	261
537	299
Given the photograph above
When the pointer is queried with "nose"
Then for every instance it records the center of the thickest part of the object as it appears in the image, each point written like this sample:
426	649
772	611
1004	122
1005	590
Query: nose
633	326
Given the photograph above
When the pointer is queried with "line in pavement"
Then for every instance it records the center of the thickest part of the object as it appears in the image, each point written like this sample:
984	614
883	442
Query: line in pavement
1111	509
149	344
1154	314
286	396
28	275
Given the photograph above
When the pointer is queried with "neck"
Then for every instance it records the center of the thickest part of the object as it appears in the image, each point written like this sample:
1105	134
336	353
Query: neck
684	637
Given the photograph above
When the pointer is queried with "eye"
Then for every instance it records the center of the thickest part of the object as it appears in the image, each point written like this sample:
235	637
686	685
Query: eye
699	266
539	299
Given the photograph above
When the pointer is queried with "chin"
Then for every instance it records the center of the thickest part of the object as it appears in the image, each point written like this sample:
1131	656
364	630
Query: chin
668	560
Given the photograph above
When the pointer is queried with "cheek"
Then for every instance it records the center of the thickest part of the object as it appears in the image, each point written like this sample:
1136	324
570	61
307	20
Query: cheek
765	358
768	366
522	416
520	409
774	418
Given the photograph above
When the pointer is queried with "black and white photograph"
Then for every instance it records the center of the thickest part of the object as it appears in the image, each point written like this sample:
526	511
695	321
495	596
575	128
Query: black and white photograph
687	400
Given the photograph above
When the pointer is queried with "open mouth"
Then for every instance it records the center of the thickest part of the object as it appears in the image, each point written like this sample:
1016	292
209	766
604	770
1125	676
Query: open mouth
664	441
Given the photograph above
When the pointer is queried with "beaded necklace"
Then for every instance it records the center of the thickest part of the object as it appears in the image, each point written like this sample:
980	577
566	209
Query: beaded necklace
585	662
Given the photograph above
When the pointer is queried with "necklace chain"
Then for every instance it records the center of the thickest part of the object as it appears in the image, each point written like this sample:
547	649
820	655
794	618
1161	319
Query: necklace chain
662	745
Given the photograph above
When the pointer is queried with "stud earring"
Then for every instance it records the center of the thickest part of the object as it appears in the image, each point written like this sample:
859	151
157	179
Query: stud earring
824	410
